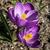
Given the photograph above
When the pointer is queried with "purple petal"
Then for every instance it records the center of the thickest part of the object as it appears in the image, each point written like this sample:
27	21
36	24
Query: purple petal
29	25
11	14
26	11
35	44
20	22
20	35
32	15
18	9
36	36
28	6
33	30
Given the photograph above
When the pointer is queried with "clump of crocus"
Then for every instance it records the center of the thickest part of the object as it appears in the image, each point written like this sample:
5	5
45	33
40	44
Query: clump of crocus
20	14
27	16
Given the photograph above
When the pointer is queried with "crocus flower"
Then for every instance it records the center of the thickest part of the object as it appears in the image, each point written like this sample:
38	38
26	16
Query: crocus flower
30	36
20	14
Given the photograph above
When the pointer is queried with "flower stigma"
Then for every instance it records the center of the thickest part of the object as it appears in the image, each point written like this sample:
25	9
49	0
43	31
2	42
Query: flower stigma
28	36
23	16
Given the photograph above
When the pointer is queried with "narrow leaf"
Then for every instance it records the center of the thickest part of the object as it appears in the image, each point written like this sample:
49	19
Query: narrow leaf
6	25
40	3
42	7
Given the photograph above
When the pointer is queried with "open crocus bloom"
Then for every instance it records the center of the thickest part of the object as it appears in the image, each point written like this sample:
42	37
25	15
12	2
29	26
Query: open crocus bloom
20	14
30	36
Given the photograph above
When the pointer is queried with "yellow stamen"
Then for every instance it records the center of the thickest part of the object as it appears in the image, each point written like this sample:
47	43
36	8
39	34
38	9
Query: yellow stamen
28	36
24	16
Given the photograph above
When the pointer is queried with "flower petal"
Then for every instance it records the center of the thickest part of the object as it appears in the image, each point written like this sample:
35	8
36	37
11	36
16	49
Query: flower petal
28	6
35	44
20	22
18	9
32	15
29	25
11	14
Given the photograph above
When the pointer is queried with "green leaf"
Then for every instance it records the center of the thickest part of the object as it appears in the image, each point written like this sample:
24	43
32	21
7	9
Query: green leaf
5	35
35	0
42	7
4	22
14	36
40	3
30	0
13	1
5	39
20	0
4	27
2	37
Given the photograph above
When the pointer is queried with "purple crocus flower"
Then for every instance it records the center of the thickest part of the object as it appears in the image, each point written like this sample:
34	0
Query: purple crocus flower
30	36
20	14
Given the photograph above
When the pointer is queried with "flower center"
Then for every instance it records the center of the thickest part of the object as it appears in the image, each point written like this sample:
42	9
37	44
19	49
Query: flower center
28	36
24	16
